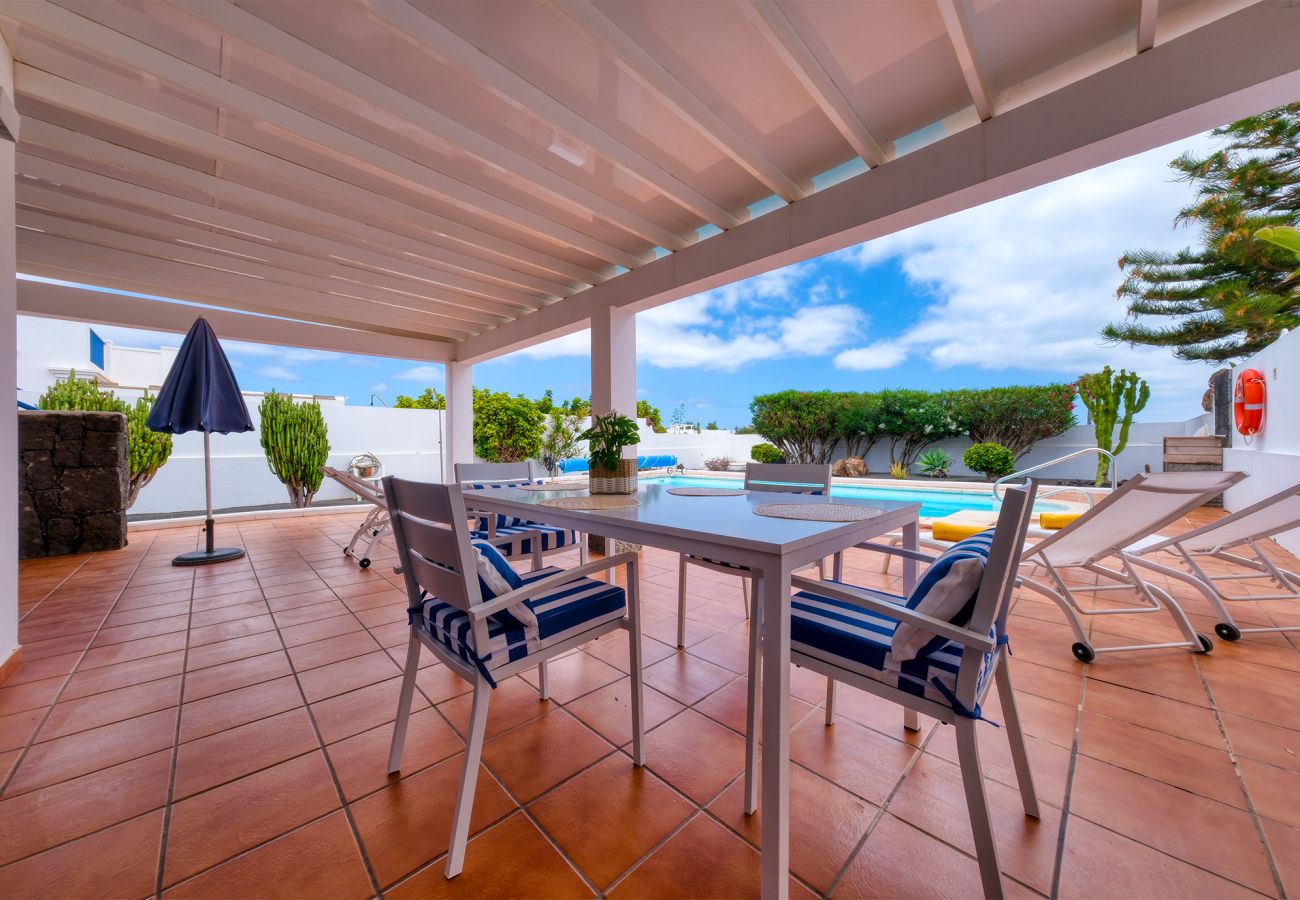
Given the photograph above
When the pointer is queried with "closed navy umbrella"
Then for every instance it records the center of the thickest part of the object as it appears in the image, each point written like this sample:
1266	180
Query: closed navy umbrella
201	394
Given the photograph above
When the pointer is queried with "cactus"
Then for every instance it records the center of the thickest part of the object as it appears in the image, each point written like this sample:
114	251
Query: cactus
147	449
1112	397
296	442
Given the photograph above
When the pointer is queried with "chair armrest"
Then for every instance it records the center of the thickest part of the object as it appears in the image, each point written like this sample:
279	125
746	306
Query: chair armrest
529	591
917	555
963	636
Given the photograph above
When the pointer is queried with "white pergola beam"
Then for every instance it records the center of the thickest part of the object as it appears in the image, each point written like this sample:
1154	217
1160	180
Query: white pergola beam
954	20
654	77
126	51
308	226
436	38
1234	66
36	298
804	65
95	105
371	92
1146	31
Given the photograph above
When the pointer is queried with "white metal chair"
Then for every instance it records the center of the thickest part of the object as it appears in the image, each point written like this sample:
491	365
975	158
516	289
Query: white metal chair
774	477
1135	510
1239	531
375	525
486	622
487	476
851	635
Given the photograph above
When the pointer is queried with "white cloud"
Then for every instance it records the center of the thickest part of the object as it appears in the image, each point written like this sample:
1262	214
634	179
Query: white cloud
733	326
285	354
879	355
420	373
279	373
1028	281
378	388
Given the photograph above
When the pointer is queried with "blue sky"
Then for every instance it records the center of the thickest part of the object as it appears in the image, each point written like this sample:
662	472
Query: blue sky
1012	292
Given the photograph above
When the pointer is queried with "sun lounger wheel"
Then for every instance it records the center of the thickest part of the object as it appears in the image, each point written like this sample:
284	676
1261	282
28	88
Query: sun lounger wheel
1228	632
1206	644
365	563
1082	652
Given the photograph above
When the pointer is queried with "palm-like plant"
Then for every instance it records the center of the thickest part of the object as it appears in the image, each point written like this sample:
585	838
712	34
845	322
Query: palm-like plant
934	463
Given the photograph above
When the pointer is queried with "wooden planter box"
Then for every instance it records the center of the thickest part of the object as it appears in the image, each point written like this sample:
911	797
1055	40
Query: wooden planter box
618	481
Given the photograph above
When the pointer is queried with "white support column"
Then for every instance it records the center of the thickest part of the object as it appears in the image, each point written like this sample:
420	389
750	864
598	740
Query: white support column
10	653
458	436
613	364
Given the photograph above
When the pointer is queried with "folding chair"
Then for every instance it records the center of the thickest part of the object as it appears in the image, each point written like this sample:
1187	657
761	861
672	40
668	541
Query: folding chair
486	622
375	525
1241	531
1138	508
937	652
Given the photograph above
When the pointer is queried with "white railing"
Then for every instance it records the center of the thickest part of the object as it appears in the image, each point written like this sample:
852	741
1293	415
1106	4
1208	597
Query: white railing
1087	495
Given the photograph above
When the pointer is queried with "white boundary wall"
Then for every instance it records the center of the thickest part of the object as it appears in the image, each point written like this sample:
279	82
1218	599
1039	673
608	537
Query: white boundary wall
1272	458
409	442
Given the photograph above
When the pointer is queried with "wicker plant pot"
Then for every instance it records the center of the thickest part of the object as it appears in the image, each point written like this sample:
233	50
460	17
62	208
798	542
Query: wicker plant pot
614	481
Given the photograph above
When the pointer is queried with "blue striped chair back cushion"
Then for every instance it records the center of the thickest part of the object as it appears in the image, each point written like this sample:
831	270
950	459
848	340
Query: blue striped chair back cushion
496	577
503	521
946	591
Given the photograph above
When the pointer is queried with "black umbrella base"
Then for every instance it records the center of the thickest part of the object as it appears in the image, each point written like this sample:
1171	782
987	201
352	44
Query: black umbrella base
203	557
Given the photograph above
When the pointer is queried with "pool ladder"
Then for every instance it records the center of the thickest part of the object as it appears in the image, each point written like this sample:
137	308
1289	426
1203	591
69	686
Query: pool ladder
1087	495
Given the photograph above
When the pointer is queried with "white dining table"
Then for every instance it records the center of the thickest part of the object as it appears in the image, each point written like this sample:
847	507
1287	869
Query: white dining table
727	529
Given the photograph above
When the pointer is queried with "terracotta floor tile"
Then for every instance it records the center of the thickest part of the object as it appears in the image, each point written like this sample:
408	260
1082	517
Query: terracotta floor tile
513	703
539	754
236	752
1274	791
32	695
703	860
1142	808
82	805
609	816
574	675
347	675
1193	767
238	707
240	673
826	823
229	613
408	824
837	753
1184	720
512	852
729	649
361	761
1284	841
122	633
360	710
133	650
70	716
608	711
58	760
332	650
887	867
1263	741
685	678
728	705
147	613
126	864
214	826
1049	763
932	799
226	631
318	860
38	669
436	681
1101	863
315	612
108	678
319	629
229	651
695	755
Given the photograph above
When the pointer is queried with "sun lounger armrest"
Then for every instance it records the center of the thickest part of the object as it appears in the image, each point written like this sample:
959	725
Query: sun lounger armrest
529	591
872	603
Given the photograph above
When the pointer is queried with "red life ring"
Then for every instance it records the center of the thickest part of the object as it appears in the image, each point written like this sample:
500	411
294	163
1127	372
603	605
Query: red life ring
1248	402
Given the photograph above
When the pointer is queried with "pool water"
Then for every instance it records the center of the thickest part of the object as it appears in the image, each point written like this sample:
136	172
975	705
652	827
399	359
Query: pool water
934	504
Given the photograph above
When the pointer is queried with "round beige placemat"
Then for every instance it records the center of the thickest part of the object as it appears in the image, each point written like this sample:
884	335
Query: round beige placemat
818	512
555	486
706	492
594	501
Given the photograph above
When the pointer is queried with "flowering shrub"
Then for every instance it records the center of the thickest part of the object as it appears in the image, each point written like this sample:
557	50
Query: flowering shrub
913	420
1015	417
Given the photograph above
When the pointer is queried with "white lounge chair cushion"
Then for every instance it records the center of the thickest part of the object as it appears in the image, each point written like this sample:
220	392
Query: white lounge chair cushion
946	591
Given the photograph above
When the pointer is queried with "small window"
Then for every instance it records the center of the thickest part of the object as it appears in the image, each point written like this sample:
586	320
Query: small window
97	350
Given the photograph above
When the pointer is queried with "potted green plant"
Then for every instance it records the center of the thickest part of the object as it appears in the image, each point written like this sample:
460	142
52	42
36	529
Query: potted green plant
606	438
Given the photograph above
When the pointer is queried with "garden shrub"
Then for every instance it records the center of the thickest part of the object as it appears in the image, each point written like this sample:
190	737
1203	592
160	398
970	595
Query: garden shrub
765	453
858	421
507	428
990	460
718	464
1015	417
913	420
802	424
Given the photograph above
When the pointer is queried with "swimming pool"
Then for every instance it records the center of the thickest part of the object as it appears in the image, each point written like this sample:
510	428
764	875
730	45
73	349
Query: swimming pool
934	504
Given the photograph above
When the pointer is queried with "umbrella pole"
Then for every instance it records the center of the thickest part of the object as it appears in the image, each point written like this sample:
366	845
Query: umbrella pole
207	485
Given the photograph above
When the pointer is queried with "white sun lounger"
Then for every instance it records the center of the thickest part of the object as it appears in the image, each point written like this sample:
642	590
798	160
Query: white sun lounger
1135	510
375	525
1239	531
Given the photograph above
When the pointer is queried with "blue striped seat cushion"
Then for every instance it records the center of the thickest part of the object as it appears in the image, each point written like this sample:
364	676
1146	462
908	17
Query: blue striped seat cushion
562	612
503	521
859	640
553	538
